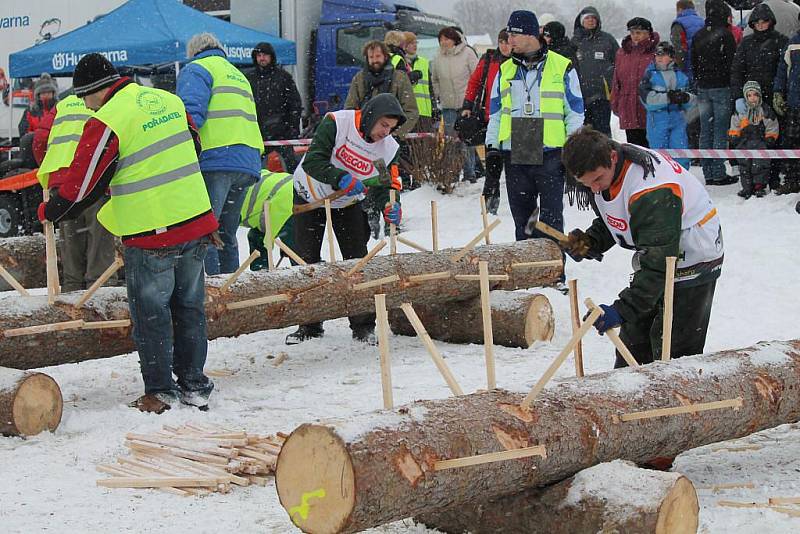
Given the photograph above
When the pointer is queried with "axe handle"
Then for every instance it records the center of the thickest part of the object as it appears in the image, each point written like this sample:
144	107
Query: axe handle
302	208
552	232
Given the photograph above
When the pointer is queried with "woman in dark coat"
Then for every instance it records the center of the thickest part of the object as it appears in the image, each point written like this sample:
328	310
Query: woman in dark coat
636	53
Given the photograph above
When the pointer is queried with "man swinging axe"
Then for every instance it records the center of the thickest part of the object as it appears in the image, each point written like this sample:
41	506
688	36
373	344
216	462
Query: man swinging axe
648	203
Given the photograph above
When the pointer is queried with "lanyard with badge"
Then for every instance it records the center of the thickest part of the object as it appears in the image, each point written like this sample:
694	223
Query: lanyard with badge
527	131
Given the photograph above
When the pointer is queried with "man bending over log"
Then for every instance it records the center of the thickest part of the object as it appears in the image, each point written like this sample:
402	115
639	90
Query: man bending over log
342	156
142	146
648	203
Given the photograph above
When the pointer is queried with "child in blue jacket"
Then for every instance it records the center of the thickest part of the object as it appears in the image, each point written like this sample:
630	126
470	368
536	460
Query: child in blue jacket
664	91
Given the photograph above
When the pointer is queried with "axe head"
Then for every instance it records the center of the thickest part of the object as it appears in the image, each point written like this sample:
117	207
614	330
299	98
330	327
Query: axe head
383	176
530	226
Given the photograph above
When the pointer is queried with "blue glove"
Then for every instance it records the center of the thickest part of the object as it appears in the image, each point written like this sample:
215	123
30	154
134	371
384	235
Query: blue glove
392	213
351	186
610	319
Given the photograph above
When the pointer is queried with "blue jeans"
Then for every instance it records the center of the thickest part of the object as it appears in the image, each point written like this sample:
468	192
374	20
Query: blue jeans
450	116
714	106
226	191
166	294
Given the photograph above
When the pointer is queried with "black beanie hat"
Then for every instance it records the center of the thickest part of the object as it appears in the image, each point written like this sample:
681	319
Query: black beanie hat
93	73
640	23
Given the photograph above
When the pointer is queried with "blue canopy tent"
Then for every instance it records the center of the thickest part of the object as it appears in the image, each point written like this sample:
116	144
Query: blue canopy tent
143	32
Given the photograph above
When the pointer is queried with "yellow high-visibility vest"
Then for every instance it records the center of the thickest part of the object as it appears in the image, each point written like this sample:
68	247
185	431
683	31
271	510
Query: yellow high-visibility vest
422	89
71	116
277	189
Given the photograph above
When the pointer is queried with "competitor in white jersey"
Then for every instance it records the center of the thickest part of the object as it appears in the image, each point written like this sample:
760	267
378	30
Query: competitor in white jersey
341	155
648	203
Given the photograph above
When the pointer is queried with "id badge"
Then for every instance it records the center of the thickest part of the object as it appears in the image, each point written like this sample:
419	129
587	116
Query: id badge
527	109
527	140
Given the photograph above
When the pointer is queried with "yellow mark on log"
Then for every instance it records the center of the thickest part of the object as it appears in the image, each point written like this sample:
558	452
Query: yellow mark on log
509	441
409	468
305	505
517	411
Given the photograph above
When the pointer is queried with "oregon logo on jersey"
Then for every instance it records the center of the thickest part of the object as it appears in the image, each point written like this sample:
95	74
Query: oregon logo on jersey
151	102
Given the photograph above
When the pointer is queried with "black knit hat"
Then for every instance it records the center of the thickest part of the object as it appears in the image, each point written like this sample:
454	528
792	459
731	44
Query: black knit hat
640	23
93	73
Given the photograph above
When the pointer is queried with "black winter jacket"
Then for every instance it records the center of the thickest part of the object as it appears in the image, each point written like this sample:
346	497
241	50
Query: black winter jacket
278	104
758	56
596	52
713	49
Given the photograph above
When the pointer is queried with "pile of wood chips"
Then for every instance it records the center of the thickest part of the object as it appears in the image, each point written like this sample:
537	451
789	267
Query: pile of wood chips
194	459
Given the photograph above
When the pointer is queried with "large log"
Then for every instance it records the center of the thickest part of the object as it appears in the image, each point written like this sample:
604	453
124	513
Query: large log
518	319
610	497
29	403
315	293
380	467
23	257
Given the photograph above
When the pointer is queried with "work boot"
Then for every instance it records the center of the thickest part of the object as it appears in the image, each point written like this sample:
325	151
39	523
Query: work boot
745	193
562	287
366	335
305	332
722	180
198	399
788	187
760	190
492	204
156	403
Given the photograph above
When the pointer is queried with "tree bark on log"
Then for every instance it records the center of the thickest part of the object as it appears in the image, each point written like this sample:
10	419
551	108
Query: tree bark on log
24	258
29	403
518	319
610	497
380	467
316	293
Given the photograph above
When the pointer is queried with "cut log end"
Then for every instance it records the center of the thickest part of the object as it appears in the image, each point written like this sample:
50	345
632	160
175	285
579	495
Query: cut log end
540	321
36	405
680	510
315	480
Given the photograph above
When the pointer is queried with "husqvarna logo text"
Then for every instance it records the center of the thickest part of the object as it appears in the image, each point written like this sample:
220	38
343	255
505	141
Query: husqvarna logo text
63	60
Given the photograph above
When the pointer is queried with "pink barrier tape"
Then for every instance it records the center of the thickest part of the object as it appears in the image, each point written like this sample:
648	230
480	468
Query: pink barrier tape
301	142
705	153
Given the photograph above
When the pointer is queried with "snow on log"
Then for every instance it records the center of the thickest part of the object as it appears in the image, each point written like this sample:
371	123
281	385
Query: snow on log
266	300
380	467
518	319
610	497
29	403
23	257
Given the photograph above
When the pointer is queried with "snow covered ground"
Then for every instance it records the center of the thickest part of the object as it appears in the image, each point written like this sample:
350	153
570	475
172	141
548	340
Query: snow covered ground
47	483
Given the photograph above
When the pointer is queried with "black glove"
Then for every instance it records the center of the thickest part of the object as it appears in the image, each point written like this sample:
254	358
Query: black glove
415	76
677	97
580	245
492	152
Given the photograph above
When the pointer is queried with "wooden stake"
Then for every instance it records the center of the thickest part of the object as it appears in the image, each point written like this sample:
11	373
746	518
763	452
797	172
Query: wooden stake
532	264
289	252
363	261
669	292
158	482
576	324
382	322
432	350
477	277
469	246
108	273
479	459
8	277
43	328
488	335
434	226
411	244
99	325
734	504
732	485
614	337
784	500
485	218
232	278
392	227
376	282
430	276
329	231
268	233
577	336
679	410
51	256
272	299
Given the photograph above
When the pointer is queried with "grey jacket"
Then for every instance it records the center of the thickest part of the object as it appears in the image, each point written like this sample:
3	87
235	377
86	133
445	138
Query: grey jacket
596	52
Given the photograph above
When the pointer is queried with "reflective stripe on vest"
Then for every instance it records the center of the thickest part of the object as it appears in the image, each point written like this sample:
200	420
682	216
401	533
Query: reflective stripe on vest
551	99
157	183
231	116
275	188
422	89
71	116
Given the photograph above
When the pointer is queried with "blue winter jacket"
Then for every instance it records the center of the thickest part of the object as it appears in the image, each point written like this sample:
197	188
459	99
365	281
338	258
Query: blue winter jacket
787	79
194	88
691	22
654	87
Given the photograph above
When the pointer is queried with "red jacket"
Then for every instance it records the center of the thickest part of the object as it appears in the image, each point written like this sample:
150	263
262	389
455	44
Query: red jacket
629	66
41	134
90	174
474	83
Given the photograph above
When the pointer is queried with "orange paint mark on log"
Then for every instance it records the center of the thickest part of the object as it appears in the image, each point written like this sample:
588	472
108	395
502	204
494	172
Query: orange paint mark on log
510	439
769	388
515	410
590	431
408	467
